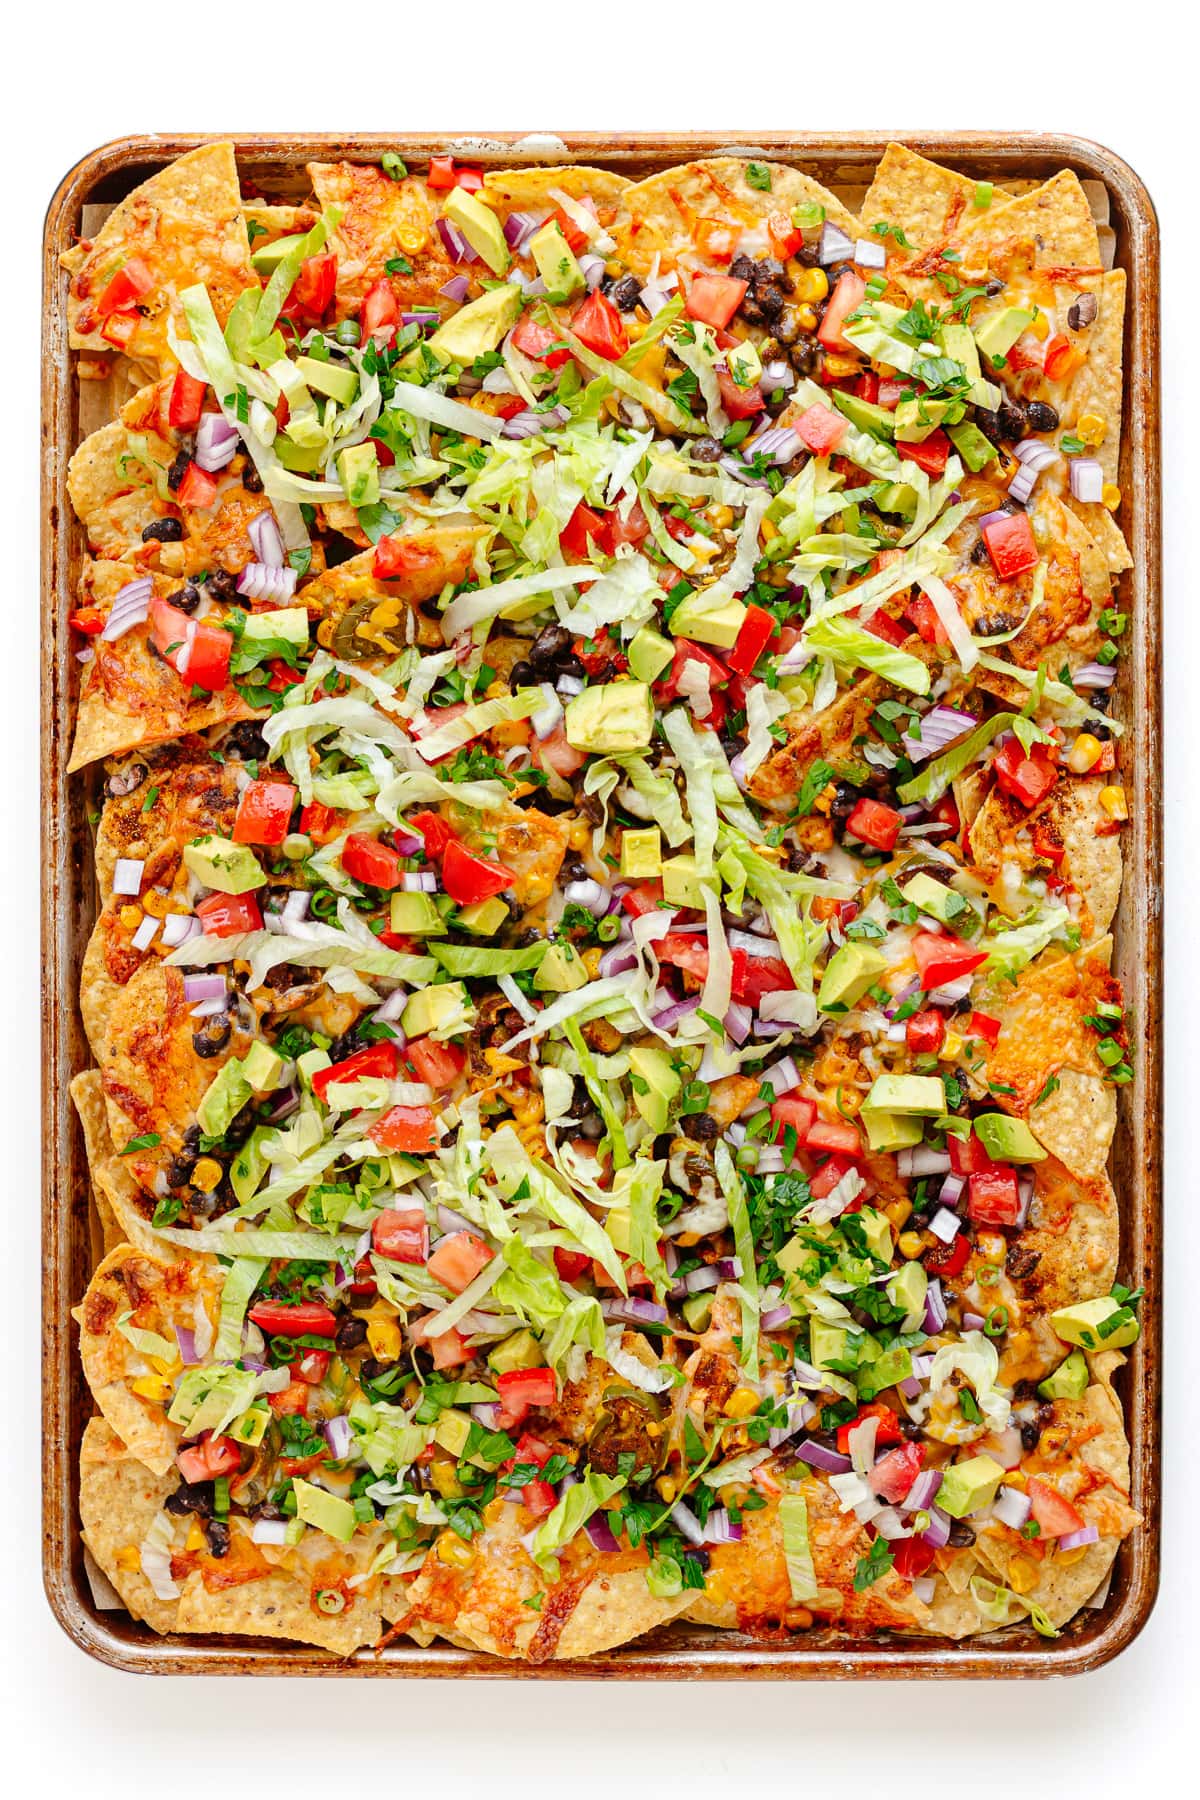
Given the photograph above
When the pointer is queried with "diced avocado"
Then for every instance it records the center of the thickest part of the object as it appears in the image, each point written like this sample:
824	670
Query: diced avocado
864	414
997	335
877	1230
697	1310
478	328
681	883
897	497
227	1093
655	1084
358	469
327	1512
262	1067
300	459
916	419
908	1094
706	624
888	1131
481	228
520	1351
1083	1324
957	341
1006	1139
616	716
966	1486
333	379
908	1287
849	972
884	1371
793	1256
432	1006
221	864
249	1165
267	259
416	916
452	1430
975	450
289	623
556	263
618	1225
649	654
483	918
744	363
933	896
1069	1381
827	1343
562	970
311	1061
251	1428
641	854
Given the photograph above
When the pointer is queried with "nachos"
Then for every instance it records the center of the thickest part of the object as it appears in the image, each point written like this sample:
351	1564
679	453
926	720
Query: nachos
608	812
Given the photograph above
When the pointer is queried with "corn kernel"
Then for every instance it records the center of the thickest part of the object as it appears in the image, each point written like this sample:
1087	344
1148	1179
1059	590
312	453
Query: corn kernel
195	1539
1110	496
1022	1575
897	1212
1091	428
131	917
1064	1558
169	1366
812	284
157	904
743	1403
152	1387
411	237
909	1244
128	1557
383	1335
667	1487
843	365
721	516
591	960
952	1047
445	1479
500	1064
1085	753
580	835
207	1174
1113	800
768	530
1041	325
451	1549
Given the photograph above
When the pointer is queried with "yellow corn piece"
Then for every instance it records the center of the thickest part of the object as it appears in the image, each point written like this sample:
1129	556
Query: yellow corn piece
667	1487
721	516
1022	1575
909	1244
743	1403
445	1479
131	917
158	905
812	284
768	530
951	1048
451	1549
1110	496
207	1174
128	1557
825	798
195	1539
842	365
168	1366
591	960
1091	428
1085	753
1064	1558
898	1212
1113	800
1041	325
152	1387
383	1335
580	835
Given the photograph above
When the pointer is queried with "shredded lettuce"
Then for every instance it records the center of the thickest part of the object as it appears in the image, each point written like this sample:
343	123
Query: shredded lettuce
626	595
663	408
570	1515
146	1343
849	644
1009	951
743	1238
937	775
529	1187
797	1550
241	1278
484	716
481	605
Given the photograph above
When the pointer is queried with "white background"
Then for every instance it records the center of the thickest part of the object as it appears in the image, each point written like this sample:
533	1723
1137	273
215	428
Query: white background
74	79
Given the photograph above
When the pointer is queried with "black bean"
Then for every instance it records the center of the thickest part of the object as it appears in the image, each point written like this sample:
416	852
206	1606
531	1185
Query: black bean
221	585
217	1533
351	1333
549	647
521	675
742	269
804	356
345	1046
211	1035
1012	422
844	802
575	869
371	1369
179	1171
706	450
701	1126
191	1139
251	479
1029	1435
163	531
625	293
191	1497
186	598
126	781
1082	311
246	741
961	1535
178	469
1041	417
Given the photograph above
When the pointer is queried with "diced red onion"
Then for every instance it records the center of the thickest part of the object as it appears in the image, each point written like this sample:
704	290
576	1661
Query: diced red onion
783	1077
568	686
990	518
454	243
486	1413
952	991
777	375
780	443
1094	675
1075	1540
1012	1507
937	1532
905	993
924	1490
1025	1199
951	1190
207	1009
546	719
418	881
186	1339
146	933
531	423
939	727
630	1310
737	1022
267	581
935	1308
177	928
924	1588
1087	478
729	1268
671	1015
1035	453
833	245
945	1225
203	987
216	443
890	1525
617	961
285	1105
392	1008
587	893
338	1436
754	943
687	1522
267	540
734	466
776	1318
127	875
518	226
870	255
593	270
818	1456
972	1321
600	1534
269	1531
922	1159
296	905
449	1220
719	1528
770	1160
699	1281
1023	483
455	289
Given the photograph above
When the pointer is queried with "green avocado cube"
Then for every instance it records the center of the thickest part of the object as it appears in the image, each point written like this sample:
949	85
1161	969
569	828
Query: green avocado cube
432	1007
997	335
327	1512
561	970
827	1343
933	896
1069	1381
849	972
641	854
655	1084
703	623
975	449
222	865
923	1094
967	1486
477	328
483	918
358	468
329	378
416	915
681	883
262	1067
1103	1324
1006	1139
556	264
649	654
864	415
480	226
615	717
520	1351
224	1098
888	1131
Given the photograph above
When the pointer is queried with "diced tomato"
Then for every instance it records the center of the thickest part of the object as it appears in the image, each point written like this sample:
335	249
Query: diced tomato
537	341
209	1458
522	1389
308	1318
891	393
993	1197
822	1181
924	615
599	325
848	293
228	915
131	281
283	676
540	1499
467	878
313	1366
410	1129
967	1155
930	454
882	625
894	1474
983	1025
713	299
313	289
754	634
187	401
582	529
946	813
888	1431
792	1111
821	428
925	1032
380	1060
377	865
948	1260
1010	544
402	1235
754	976
449	1348
685	952
364	1283
716	239
634	529
557	753
530	1449
437	1065
669	686
873	823
291	1400
380	312
1062	358
644	898
198	488
88	619
435	831
1050	849
739	402
912	1557
1053	1511
264	812
867	387
1024	778
441	172
457	1259
942	958
320	822
571	1264
118	328
471	180
837	1136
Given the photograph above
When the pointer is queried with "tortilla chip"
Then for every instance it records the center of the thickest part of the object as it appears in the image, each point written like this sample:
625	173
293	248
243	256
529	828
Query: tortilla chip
159	1295
278	1605
119	1499
1097	388
1070	815
184	225
660	213
383	220
828	735
530	190
1105	532
168	794
113	1185
363	617
927	201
